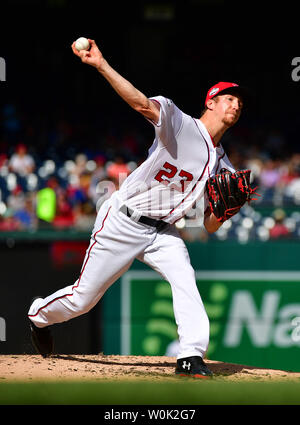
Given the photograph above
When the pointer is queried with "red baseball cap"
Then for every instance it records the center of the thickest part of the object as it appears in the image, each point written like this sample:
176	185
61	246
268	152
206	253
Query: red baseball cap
221	86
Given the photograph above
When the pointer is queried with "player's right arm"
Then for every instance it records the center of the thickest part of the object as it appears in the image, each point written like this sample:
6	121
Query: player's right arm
136	99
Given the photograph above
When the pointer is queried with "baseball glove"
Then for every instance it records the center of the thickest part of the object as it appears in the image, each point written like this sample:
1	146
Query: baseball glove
228	192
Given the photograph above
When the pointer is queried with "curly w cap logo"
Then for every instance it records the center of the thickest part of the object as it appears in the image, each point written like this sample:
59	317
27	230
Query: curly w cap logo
2	69
214	91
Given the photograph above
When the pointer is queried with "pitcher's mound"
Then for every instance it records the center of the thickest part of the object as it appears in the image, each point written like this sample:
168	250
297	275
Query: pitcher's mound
108	367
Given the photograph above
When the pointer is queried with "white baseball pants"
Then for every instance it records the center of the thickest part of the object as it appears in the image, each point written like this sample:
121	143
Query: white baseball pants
115	242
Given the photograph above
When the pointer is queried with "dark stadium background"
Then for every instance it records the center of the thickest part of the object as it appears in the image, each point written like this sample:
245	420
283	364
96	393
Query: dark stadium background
178	49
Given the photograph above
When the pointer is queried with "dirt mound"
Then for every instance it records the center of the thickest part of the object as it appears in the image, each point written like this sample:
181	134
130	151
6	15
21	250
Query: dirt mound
104	367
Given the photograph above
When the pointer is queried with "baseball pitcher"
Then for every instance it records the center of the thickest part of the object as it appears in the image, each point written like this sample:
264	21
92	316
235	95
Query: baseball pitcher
185	162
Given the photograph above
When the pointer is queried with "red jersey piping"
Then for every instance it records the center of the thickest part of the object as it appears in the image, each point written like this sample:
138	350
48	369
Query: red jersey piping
82	270
195	185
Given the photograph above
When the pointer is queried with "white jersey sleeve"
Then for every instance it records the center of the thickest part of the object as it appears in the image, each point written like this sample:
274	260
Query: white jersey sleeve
170	120
225	164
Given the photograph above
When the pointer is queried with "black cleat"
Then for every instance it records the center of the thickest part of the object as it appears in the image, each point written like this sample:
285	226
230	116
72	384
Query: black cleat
194	367
41	338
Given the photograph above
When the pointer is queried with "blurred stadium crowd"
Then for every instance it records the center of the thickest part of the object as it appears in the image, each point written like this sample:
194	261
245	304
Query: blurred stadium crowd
65	158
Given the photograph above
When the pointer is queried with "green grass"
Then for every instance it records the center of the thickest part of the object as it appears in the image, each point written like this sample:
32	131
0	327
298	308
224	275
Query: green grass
176	392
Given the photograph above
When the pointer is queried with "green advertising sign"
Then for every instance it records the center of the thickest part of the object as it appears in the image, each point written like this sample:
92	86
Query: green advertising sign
254	316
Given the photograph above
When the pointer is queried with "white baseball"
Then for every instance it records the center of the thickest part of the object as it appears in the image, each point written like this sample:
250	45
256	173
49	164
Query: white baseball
82	43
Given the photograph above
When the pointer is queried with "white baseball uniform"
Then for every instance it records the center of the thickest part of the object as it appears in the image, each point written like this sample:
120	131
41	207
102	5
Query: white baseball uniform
164	187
